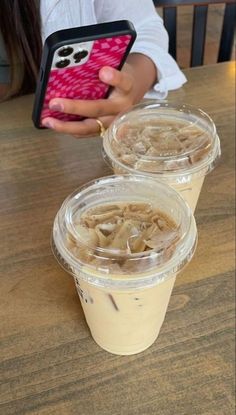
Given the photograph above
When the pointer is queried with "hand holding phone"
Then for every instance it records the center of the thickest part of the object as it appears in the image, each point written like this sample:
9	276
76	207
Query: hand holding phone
71	63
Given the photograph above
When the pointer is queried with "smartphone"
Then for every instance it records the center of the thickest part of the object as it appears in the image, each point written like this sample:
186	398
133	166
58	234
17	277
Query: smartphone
71	61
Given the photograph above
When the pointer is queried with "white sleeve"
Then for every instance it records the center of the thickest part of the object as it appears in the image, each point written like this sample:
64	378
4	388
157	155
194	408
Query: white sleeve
152	39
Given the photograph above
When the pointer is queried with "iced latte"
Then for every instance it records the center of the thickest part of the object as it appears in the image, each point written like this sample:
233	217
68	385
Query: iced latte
177	144
124	239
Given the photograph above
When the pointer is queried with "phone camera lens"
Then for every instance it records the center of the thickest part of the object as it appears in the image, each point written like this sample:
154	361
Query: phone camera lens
63	63
66	51
78	56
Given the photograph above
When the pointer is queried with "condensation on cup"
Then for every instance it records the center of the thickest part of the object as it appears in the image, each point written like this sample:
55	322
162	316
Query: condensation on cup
175	143
124	239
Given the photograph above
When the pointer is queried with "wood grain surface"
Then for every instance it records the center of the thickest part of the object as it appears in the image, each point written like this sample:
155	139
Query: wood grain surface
49	364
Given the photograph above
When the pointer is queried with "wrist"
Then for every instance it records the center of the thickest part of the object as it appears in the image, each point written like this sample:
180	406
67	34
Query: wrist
144	73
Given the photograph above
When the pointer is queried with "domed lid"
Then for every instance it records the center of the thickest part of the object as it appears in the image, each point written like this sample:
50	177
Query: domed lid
163	139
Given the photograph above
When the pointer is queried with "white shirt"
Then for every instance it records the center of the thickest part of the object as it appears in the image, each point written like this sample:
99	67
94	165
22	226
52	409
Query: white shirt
152	38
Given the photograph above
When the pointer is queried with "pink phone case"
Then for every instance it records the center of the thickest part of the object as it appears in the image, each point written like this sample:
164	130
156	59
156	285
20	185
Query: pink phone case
82	82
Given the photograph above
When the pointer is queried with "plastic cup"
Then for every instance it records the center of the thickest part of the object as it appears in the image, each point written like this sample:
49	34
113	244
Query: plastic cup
124	305
175	143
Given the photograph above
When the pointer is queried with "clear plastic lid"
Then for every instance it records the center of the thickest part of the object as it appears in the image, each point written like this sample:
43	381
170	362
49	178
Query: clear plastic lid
173	141
124	231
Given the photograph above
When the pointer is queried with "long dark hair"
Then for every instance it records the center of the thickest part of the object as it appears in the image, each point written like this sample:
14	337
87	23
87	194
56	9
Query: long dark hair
20	25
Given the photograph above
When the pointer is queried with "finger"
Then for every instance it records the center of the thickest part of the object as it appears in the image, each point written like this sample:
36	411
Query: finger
78	128
122	80
106	121
86	108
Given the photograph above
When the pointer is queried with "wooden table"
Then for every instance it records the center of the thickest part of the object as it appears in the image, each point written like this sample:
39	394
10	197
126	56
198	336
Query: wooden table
49	363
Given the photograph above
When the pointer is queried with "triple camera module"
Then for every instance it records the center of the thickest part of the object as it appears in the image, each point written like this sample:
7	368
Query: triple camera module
65	52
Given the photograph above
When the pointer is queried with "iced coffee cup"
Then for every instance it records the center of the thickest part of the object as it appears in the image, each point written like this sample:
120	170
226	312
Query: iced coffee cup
124	239
176	143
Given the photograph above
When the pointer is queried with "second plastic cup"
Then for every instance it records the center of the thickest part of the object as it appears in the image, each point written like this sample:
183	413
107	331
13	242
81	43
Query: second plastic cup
175	143
124	293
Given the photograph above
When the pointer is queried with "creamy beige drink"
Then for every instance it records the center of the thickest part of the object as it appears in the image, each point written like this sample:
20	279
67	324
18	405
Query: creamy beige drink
178	145
127	322
124	239
128	228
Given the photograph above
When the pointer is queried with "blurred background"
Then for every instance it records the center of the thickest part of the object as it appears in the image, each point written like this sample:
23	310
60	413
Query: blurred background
184	25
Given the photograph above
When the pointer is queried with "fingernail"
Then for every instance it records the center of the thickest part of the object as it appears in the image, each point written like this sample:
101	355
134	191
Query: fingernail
47	124
107	74
56	107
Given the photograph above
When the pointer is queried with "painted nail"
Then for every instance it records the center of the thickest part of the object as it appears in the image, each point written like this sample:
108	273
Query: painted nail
107	74
47	124
56	107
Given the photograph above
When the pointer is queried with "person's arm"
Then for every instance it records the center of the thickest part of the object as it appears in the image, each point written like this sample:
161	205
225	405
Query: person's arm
152	39
4	70
149	64
144	73
3	90
4	77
